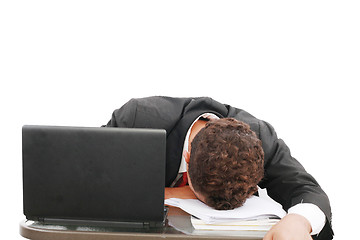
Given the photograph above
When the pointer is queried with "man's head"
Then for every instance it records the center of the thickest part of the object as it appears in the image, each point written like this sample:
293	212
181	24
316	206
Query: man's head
226	163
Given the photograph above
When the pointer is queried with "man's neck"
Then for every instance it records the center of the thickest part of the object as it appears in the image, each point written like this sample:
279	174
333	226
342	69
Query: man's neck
198	125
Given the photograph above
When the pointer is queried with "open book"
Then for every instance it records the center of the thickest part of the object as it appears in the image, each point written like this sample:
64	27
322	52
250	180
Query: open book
256	214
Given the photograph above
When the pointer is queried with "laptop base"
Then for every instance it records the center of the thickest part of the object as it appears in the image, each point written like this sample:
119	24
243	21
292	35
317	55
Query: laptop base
105	223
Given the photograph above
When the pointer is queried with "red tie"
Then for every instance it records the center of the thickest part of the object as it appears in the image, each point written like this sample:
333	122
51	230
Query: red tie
182	181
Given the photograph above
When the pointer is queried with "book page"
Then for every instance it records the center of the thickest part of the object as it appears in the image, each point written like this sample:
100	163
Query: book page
253	208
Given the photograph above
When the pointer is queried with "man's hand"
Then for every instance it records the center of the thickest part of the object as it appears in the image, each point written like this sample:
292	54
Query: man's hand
179	192
290	227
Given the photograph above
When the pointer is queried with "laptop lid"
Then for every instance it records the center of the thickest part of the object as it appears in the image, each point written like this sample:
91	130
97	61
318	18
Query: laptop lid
92	175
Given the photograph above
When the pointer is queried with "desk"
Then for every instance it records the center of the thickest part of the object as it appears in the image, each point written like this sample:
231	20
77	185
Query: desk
178	226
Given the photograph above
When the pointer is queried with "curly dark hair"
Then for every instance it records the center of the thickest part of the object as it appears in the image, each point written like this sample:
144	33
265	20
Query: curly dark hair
226	163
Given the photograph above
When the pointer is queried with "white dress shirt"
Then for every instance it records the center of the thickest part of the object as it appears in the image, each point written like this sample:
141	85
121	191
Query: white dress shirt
308	210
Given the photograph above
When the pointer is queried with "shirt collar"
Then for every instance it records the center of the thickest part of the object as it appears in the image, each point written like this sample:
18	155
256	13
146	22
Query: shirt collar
183	164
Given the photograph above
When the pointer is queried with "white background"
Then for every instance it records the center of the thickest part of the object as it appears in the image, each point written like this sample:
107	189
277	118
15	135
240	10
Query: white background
295	65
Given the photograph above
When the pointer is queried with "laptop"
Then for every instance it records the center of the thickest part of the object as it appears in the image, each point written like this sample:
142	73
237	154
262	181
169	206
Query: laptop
94	176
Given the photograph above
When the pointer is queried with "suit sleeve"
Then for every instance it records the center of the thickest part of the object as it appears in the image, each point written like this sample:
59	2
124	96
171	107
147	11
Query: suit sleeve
124	116
150	112
286	180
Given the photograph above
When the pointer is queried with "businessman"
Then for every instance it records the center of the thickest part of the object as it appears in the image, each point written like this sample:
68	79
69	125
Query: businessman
220	154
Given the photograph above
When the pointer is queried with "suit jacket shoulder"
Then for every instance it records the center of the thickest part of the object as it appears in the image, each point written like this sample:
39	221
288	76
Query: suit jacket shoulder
163	112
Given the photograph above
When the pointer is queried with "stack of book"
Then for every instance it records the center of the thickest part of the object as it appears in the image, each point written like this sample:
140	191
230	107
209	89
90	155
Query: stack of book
256	214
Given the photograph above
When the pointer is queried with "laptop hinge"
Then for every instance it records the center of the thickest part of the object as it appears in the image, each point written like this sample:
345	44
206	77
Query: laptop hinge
95	223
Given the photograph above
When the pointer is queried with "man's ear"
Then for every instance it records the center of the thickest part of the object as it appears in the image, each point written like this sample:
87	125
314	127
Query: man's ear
186	155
